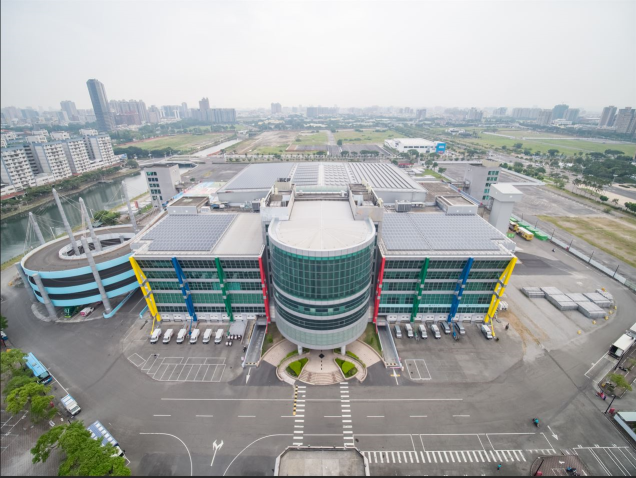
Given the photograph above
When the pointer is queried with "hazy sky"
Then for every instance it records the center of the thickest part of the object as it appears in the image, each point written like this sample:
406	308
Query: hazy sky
346	53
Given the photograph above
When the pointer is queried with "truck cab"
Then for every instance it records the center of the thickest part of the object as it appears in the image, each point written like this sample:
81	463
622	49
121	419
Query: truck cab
71	405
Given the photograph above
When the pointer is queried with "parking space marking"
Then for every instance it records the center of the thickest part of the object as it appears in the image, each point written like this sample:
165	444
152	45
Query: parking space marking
418	370
433	457
180	369
613	461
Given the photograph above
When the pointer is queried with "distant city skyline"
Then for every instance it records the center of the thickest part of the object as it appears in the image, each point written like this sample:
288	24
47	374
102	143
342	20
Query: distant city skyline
470	54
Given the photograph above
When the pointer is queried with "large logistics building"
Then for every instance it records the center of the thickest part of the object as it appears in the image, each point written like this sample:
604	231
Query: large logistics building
322	249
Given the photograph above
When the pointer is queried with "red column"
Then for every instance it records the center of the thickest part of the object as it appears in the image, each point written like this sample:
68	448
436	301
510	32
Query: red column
378	291
264	287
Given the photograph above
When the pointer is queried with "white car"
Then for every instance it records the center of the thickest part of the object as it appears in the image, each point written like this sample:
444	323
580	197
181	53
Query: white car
435	331
86	311
409	331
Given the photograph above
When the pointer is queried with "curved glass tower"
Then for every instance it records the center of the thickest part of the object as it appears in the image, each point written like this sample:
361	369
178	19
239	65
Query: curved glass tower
322	264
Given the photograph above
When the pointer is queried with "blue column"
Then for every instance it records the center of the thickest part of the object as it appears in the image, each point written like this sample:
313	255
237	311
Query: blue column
185	290
459	290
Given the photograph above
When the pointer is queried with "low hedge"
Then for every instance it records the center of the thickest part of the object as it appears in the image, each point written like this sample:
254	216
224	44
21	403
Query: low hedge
295	368
348	369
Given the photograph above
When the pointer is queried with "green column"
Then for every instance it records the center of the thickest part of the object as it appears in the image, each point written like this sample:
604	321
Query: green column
420	288
226	297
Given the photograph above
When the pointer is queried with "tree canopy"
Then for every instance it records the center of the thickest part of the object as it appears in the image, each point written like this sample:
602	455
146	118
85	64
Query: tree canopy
108	218
82	455
34	397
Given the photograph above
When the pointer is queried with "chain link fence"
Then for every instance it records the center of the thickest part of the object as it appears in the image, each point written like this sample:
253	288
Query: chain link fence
595	257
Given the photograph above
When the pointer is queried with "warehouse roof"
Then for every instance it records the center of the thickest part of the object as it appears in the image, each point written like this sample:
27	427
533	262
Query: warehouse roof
441	234
322	225
379	175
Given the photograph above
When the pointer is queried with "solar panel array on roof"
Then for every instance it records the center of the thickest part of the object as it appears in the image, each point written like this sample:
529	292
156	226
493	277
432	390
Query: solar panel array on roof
381	176
336	175
307	174
258	176
188	233
438	232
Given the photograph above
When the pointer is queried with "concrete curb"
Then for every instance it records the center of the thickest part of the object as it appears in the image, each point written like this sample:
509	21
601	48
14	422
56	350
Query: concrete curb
271	348
362	370
283	376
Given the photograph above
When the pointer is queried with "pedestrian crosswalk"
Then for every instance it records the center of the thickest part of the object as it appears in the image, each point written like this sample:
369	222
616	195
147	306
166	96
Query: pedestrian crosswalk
449	456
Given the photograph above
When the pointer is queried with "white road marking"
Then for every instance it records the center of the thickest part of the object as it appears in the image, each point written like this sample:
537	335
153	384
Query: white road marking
204	416
162	415
173	436
461	416
247	416
375	416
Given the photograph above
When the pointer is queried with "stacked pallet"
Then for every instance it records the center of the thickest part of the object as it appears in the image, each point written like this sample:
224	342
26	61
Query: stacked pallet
562	302
591	310
599	299
605	294
533	292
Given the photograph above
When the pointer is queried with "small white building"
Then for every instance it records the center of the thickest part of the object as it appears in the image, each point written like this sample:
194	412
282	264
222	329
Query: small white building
403	145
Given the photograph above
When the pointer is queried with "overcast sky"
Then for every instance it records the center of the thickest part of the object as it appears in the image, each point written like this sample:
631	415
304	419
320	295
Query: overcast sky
347	53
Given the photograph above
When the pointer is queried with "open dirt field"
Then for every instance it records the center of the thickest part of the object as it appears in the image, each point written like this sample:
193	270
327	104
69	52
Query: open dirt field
271	142
368	136
614	236
185	143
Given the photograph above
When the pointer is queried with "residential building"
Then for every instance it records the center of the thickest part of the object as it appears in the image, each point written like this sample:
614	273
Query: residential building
420	114
100	149
572	114
500	111
545	117
105	119
314	111
204	105
221	115
474	115
78	156
607	117
184	111
625	120
130	108
479	178
162	180
60	135
558	112
526	113
16	170
50	158
70	109
276	108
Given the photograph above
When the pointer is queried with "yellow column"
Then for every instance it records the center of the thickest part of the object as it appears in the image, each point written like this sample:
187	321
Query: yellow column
500	288
147	292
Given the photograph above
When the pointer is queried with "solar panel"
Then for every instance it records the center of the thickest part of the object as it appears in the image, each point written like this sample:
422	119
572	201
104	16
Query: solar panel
259	176
188	233
438	232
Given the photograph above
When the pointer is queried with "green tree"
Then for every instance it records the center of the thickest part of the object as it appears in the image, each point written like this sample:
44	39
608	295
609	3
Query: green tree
620	381
441	170
518	145
108	218
603	198
10	359
4	324
17	381
631	206
34	397
82	455
553	152
339	142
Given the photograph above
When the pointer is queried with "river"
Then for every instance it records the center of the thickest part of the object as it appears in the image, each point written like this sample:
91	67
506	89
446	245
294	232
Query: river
101	196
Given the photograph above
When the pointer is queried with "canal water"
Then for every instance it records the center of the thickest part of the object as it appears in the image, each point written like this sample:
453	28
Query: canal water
101	196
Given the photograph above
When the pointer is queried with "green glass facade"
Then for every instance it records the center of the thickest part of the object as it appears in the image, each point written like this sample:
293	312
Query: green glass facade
322	297
399	287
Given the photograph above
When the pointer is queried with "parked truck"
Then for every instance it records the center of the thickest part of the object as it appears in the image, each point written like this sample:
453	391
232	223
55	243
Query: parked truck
71	405
99	432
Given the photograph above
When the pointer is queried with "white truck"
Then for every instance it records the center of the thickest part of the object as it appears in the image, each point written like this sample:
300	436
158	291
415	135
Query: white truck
99	432
71	405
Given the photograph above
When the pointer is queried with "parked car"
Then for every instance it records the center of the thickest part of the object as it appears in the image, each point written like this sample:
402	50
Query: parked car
485	329
181	335
445	326
194	336
218	336
398	331
206	336
422	330
435	331
167	336
86	311
460	328
409	331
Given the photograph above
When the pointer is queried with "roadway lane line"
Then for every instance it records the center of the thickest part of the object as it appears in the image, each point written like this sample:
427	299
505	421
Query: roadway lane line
247	416
204	416
418	416
162	415
186	447
461	416
375	416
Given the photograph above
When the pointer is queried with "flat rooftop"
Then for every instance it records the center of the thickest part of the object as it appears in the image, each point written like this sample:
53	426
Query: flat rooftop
46	257
214	233
456	200
189	201
414	141
322	225
381	176
439	234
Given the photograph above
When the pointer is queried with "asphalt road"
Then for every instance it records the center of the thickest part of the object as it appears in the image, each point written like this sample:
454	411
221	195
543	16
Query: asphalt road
439	426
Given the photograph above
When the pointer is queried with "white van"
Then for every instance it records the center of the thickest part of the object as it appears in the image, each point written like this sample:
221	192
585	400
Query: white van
485	329
409	331
167	336
154	338
195	336
71	405
398	331
435	331
181	335
206	336
422	328
218	337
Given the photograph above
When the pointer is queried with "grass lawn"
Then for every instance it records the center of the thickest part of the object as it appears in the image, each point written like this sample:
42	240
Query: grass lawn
371	338
430	172
308	139
614	236
180	142
367	137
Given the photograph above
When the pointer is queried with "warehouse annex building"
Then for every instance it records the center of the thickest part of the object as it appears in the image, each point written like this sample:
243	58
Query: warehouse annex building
322	249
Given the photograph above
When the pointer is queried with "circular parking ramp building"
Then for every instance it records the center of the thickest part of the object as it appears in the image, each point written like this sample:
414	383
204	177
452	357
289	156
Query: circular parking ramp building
322	261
